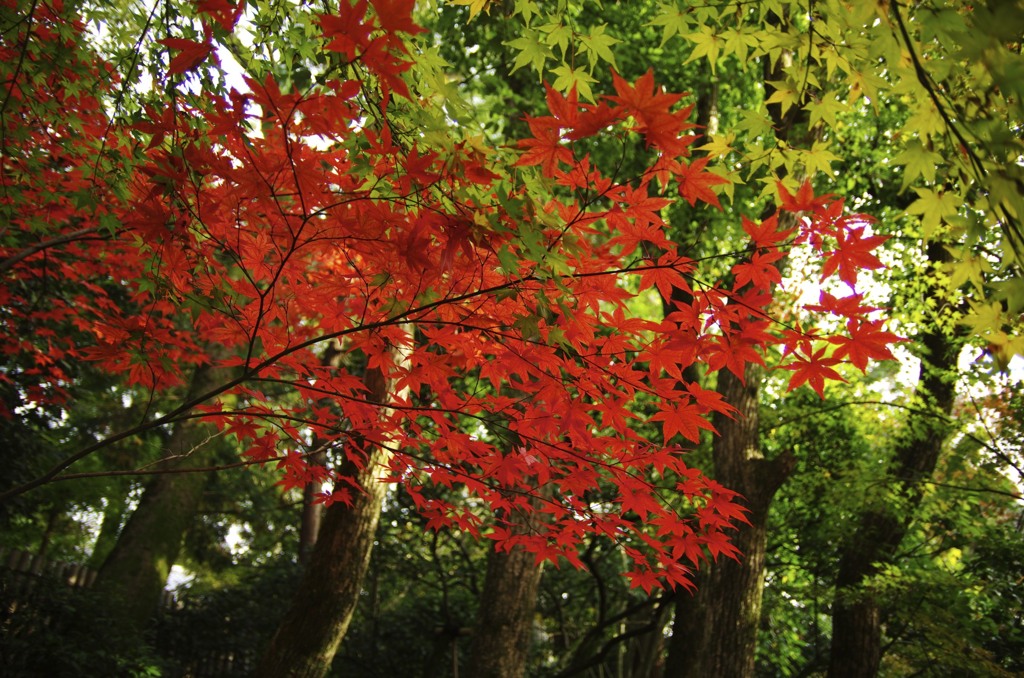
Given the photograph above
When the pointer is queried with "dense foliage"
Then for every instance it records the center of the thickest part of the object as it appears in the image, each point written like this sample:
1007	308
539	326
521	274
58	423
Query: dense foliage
486	254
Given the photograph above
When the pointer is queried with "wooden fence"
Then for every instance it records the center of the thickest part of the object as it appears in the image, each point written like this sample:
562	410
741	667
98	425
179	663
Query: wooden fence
27	568
25	571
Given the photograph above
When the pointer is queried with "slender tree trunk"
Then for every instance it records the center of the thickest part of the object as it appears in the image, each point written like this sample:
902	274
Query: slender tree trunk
110	528
856	613
312	509
715	631
311	632
646	654
501	639
135	572
51	526
321	611
312	514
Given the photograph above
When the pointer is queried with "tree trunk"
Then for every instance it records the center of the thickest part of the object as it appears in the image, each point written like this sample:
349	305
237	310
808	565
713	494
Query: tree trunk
715	630
110	528
312	509
856	613
312	630
135	572
646	656
501	640
312	514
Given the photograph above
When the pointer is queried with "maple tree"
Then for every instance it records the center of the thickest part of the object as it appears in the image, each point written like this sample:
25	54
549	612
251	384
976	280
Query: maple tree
630	207
247	230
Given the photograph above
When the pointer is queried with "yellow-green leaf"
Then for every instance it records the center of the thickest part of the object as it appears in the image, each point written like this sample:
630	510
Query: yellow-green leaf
825	110
934	208
567	77
597	44
531	51
786	94
706	43
918	161
527	8
720	144
673	21
818	159
475	6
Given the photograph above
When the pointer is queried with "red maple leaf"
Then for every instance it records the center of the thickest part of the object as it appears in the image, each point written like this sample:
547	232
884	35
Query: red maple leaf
804	200
545	147
848	306
852	254
396	15
643	99
564	109
813	369
665	275
767	233
695	183
593	119
867	341
759	271
348	29
645	579
718	544
190	53
683	418
222	11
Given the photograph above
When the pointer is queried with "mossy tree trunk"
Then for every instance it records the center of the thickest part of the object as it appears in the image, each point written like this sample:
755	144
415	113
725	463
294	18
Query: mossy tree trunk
504	624
135	571
715	630
856	612
314	626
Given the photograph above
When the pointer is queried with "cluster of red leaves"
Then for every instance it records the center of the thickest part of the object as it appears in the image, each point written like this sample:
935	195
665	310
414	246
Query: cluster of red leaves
65	264
495	309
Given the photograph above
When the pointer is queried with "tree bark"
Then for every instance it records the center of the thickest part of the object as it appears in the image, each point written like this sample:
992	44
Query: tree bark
312	630
312	514
856	613
501	640
110	528
135	572
715	630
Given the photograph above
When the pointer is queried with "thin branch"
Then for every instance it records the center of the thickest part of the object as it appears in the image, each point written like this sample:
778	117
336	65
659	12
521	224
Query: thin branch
74	236
1008	224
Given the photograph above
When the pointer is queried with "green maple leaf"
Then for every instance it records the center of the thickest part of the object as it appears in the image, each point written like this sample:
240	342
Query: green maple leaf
559	35
754	122
969	268
528	8
825	110
819	158
598	46
568	77
720	144
985	319
738	42
531	51
673	21
918	162
926	121
706	43
475	6
934	208
786	94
